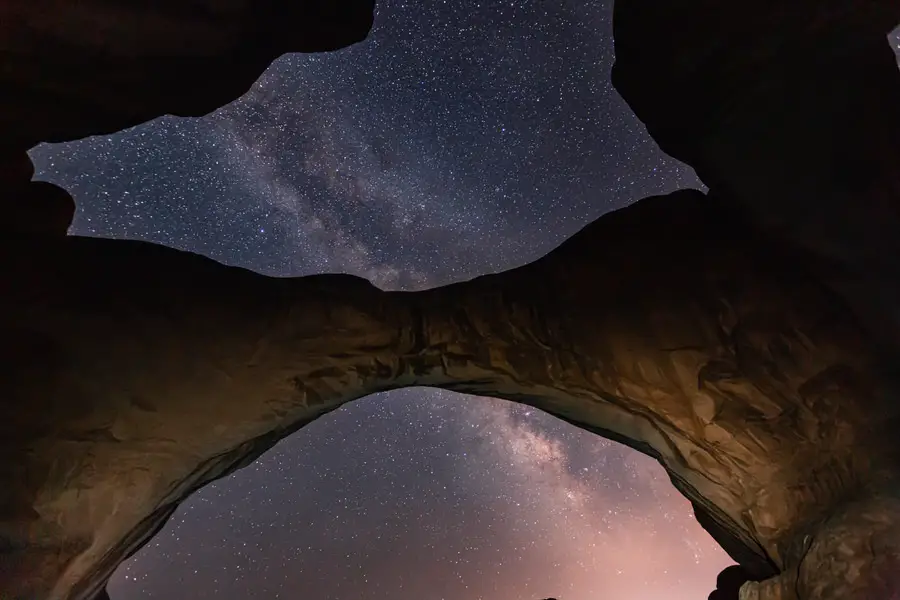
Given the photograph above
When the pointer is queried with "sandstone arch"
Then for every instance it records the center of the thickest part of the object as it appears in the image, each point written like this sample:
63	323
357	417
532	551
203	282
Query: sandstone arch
745	338
715	353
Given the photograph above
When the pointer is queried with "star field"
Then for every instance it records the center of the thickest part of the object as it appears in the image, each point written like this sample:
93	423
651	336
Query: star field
460	138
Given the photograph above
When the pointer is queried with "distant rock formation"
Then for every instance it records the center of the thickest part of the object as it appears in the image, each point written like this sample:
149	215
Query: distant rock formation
746	338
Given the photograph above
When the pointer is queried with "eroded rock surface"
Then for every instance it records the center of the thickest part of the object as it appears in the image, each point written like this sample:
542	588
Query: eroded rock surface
746	339
134	374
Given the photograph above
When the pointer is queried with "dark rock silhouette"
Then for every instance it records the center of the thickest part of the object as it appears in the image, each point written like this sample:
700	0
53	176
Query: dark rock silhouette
74	69
37	208
747	338
729	582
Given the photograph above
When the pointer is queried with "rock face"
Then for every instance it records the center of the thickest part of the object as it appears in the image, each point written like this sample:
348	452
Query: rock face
134	374
745	338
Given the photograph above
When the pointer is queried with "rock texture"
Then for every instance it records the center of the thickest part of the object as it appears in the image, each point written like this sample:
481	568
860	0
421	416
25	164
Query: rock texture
134	374
788	113
746	338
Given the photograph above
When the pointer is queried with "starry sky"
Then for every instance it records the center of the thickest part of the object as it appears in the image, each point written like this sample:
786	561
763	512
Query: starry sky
460	138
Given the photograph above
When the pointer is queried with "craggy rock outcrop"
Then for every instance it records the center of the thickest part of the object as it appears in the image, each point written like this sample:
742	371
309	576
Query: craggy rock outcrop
788	112
746	339
134	374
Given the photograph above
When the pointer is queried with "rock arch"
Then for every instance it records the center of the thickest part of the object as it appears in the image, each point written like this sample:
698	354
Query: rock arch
745	338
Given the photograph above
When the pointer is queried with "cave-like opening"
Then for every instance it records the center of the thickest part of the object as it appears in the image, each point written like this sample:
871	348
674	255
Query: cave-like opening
423	493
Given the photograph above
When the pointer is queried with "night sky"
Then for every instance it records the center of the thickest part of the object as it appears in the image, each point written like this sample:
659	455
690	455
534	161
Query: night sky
460	138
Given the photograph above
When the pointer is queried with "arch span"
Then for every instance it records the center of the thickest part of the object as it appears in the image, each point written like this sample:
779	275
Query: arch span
671	326
424	493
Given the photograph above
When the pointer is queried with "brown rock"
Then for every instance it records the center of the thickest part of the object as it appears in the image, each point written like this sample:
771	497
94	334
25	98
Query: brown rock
747	340
135	374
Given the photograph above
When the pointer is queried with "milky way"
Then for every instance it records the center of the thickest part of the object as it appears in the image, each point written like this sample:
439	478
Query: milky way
460	138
